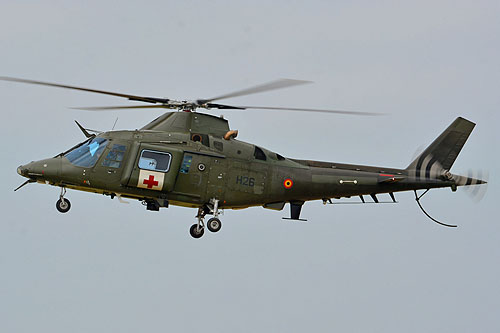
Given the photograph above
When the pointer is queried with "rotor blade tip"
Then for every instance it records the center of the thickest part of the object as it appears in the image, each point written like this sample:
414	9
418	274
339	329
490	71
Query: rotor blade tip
296	80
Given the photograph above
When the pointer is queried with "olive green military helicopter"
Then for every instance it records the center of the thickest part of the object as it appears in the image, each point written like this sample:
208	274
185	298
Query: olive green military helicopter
193	159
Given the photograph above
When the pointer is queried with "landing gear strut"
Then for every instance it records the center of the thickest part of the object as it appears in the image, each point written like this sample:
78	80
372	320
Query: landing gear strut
63	205
214	224
198	229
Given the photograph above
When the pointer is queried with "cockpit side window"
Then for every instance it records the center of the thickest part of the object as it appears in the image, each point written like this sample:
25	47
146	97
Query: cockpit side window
115	156
279	157
259	154
87	154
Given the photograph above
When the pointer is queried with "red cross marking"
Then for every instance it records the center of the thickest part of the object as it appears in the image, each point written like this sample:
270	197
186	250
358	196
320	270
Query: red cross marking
150	182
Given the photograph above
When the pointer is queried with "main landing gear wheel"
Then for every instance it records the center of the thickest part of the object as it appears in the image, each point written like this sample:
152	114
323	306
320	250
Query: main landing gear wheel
214	224
63	205
196	230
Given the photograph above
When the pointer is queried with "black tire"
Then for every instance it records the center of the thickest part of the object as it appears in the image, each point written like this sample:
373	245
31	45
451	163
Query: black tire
195	232
214	224
63	206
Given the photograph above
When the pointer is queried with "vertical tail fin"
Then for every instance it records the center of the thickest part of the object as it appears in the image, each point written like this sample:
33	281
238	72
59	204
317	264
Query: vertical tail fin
442	152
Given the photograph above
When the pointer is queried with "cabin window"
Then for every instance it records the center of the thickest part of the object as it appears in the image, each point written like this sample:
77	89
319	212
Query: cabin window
155	160
186	163
115	156
87	154
259	154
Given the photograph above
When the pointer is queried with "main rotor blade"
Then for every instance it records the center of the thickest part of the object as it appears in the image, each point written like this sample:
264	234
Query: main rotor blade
227	107
354	113
273	85
107	108
223	106
49	84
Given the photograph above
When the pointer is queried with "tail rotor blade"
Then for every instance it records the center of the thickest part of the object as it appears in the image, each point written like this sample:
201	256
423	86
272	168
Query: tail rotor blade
477	184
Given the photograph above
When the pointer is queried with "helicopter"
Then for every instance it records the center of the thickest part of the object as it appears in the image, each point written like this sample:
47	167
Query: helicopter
193	159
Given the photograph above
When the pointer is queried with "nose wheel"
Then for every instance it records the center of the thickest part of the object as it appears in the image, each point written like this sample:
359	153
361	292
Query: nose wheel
63	205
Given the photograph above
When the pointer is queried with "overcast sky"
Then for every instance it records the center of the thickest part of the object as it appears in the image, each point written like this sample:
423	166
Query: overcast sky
111	267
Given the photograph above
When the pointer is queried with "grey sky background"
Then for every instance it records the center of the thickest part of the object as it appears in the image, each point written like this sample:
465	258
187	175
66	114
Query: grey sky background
111	267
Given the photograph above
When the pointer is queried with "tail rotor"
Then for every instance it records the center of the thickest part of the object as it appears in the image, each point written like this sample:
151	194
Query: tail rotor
471	183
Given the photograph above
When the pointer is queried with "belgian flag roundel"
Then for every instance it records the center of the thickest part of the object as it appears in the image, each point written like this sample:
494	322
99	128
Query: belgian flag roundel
288	183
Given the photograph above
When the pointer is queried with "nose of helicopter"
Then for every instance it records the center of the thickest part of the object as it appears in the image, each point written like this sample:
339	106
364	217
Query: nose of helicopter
44	169
21	171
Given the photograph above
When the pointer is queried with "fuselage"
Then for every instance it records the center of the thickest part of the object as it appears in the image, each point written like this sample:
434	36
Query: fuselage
193	159
191	169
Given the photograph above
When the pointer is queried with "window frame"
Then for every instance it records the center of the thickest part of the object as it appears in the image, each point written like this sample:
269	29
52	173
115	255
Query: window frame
157	152
118	151
259	154
99	152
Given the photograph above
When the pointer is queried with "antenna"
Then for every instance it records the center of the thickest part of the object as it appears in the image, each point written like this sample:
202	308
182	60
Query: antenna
115	123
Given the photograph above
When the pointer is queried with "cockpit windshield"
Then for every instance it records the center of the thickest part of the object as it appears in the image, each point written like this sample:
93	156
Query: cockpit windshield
87	154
